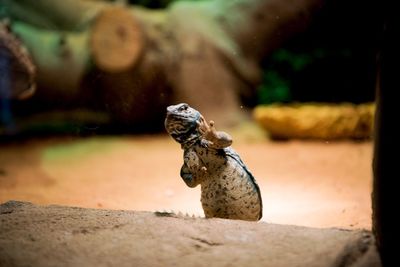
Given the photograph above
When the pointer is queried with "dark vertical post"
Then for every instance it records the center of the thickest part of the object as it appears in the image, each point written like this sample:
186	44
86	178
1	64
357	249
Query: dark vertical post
5	93
386	163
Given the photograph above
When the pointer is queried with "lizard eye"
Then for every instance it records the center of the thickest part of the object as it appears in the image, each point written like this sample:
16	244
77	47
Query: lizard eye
183	108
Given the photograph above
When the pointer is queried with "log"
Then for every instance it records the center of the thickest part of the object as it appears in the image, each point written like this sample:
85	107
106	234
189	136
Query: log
62	59
116	40
321	121
259	26
70	15
206	53
17	72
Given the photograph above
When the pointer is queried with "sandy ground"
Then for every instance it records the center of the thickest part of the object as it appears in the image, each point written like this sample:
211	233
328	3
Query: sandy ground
317	184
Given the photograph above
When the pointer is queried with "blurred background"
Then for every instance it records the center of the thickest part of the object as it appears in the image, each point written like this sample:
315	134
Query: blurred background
84	86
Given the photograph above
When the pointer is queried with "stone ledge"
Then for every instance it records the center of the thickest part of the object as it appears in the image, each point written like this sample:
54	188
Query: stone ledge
32	235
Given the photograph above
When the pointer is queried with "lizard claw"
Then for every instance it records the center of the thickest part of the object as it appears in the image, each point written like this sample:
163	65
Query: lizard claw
203	126
212	130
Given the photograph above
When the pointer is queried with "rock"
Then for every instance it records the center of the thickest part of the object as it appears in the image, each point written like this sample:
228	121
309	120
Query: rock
32	235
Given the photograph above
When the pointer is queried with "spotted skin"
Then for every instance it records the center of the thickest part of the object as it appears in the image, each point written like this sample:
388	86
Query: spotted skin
228	189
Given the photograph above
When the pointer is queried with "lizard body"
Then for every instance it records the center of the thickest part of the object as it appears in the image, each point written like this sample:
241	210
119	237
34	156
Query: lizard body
228	189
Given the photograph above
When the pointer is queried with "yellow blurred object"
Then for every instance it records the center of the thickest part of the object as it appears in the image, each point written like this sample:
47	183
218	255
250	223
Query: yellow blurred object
317	120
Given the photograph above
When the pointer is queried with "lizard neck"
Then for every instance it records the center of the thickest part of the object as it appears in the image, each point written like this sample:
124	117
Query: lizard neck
191	143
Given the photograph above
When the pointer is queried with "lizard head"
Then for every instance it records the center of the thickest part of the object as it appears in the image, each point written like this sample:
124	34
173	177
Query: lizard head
182	123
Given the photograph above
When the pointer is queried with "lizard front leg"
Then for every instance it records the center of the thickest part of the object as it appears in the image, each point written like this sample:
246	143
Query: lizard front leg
213	138
193	170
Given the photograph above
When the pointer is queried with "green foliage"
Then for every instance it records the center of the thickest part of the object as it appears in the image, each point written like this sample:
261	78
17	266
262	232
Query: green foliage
274	88
276	81
296	62
282	66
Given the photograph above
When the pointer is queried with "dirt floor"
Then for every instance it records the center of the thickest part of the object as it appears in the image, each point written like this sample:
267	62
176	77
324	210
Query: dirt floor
317	184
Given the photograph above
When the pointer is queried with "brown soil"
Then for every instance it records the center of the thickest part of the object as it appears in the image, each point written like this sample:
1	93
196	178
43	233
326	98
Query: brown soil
318	184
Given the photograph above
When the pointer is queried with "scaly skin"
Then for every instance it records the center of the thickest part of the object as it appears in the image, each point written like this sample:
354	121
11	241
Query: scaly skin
228	189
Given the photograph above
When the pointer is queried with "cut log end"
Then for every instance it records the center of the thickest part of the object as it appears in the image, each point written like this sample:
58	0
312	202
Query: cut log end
117	40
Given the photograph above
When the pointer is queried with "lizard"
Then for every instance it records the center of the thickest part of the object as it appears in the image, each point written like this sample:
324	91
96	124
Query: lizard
228	189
